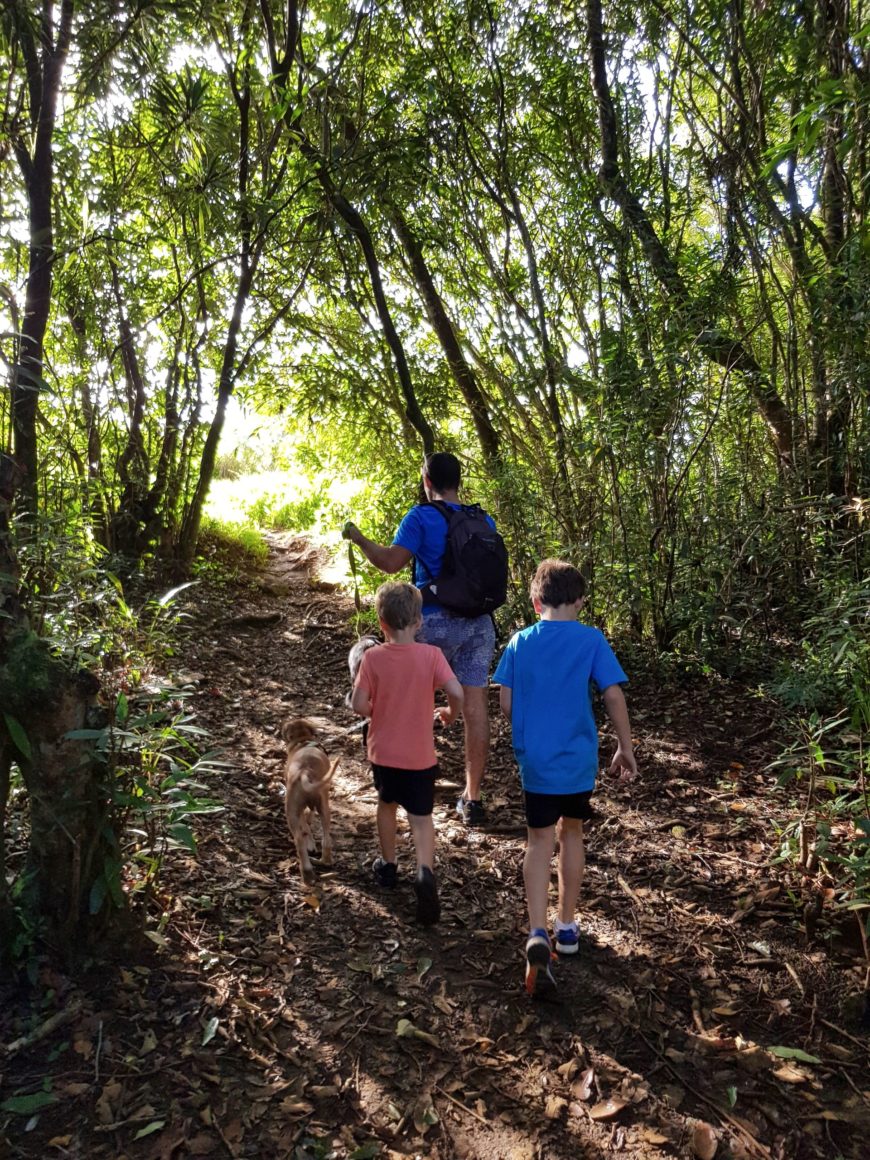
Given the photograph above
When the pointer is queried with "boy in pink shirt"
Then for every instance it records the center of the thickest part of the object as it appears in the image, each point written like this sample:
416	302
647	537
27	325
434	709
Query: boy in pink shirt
395	688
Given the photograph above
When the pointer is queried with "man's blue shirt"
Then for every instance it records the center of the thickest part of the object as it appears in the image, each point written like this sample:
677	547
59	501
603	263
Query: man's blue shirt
549	668
423	532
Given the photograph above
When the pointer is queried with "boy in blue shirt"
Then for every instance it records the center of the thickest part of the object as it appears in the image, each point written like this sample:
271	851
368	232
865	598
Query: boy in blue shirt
545	674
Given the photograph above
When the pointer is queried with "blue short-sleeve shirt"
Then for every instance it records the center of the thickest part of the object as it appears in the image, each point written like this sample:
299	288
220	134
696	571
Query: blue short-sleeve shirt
549	668
423	532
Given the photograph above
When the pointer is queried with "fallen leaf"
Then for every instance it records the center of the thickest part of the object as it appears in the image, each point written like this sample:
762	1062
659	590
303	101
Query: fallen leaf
424	1116
581	1089
651	1136
727	1010
789	1074
208	1032
312	900
607	1109
554	1107
154	1126
793	1053
149	1042
405	1029
704	1141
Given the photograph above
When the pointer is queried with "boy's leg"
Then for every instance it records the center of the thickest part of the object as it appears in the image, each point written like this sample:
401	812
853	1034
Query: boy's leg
386	819
536	873
572	863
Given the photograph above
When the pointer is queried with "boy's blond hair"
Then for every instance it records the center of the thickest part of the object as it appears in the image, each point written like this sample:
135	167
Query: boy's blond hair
557	583
398	605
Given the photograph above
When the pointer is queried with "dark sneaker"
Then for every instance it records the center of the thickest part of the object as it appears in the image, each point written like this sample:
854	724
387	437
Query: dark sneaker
540	983
472	813
428	906
385	873
567	940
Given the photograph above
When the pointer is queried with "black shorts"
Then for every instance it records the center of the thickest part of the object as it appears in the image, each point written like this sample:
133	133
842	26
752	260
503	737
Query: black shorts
545	809
413	789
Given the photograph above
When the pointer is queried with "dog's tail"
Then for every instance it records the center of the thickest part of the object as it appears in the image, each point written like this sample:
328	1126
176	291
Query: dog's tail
310	784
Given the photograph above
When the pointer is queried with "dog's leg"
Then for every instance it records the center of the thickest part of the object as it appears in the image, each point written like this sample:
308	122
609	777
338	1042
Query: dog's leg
326	825
300	831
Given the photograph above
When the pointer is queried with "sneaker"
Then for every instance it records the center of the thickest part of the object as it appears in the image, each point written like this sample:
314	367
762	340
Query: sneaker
385	873
428	906
540	983
472	813
567	939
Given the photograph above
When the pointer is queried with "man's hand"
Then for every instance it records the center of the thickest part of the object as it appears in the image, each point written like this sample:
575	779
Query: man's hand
350	532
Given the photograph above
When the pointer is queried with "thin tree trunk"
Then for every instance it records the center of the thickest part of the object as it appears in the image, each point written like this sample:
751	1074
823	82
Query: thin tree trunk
723	349
44	62
462	373
281	64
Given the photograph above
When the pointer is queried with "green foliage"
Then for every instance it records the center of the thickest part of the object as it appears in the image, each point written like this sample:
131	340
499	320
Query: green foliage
231	546
150	752
828	765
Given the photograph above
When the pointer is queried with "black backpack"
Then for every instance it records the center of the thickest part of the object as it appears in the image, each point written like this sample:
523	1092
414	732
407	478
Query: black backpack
474	571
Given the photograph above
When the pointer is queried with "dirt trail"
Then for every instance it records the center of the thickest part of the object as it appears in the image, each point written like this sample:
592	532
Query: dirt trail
279	1021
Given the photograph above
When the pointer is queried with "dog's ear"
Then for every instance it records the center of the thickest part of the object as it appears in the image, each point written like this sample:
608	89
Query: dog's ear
297	730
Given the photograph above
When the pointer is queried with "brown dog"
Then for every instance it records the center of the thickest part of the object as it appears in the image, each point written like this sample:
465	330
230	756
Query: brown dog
308	776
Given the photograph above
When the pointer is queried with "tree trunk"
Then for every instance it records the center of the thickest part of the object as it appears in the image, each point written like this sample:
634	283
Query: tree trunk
353	219
44	62
463	375
723	349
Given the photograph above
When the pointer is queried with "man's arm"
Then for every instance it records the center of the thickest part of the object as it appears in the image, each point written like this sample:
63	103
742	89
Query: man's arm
617	711
360	702
389	558
505	700
455	699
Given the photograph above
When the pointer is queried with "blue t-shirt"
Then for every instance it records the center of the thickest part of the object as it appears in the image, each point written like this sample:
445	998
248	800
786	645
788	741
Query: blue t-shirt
549	668
423	532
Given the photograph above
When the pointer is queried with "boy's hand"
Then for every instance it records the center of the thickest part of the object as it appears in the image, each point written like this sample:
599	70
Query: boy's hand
445	715
624	764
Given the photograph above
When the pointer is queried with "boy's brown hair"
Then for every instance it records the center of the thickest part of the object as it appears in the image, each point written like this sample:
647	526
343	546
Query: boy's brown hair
398	605
557	583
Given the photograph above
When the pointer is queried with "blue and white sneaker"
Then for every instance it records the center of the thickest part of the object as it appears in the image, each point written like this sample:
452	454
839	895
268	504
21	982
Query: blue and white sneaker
567	939
540	983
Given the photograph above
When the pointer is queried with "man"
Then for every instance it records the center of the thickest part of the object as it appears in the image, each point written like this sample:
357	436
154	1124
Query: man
468	643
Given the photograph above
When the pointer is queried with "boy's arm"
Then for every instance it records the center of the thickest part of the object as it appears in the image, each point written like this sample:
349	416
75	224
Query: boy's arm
506	700
455	698
361	702
617	711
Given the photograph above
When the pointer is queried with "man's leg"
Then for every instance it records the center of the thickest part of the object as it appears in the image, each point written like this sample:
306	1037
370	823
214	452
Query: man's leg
572	863
475	716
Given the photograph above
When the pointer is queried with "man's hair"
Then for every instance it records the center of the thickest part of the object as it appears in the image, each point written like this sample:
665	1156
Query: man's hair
398	605
444	471
557	583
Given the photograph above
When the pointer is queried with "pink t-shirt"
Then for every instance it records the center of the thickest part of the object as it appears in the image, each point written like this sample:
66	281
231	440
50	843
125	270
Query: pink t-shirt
400	680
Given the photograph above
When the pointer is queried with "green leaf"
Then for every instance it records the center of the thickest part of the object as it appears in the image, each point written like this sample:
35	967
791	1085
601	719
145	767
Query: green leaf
210	1029
367	1151
183	835
122	709
154	1126
793	1053
27	1105
97	896
19	737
